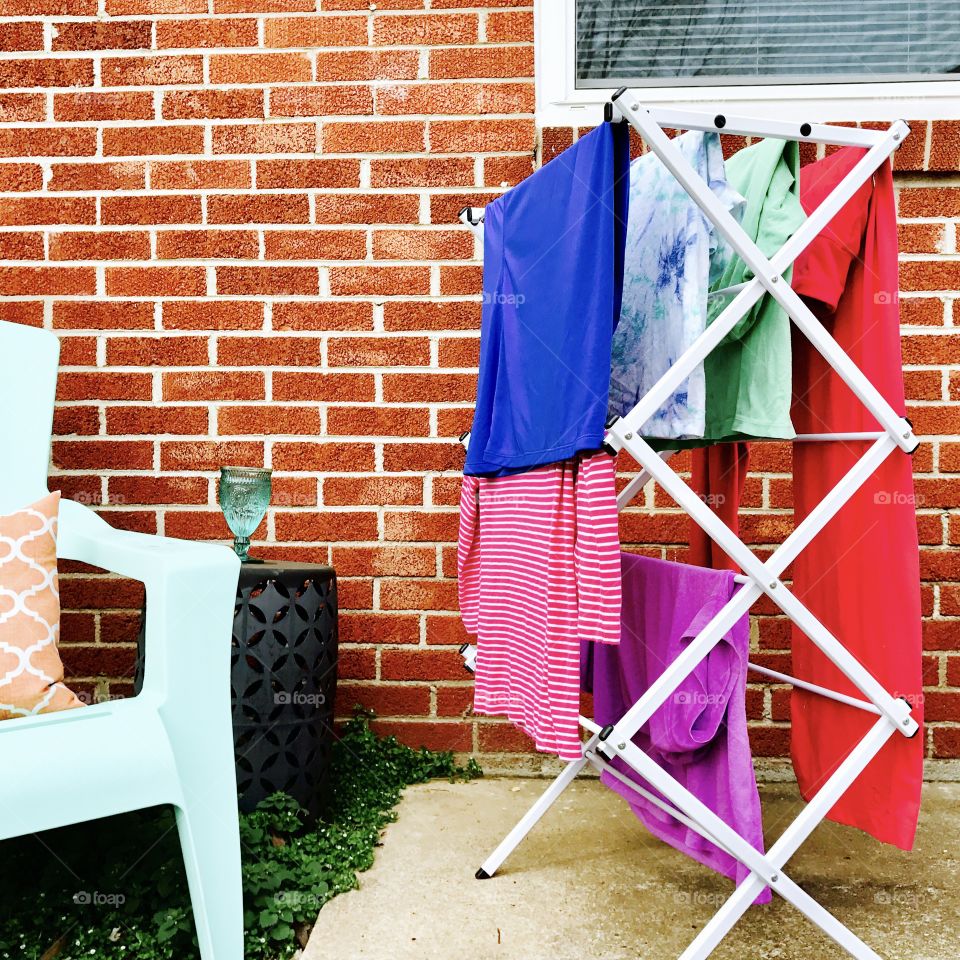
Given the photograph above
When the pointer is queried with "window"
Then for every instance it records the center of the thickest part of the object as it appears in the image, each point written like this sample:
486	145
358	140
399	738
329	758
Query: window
825	59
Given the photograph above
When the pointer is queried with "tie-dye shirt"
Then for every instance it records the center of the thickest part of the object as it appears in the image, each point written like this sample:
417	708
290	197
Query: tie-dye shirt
666	276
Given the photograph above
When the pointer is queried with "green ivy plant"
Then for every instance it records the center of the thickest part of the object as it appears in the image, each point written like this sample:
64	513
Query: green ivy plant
116	888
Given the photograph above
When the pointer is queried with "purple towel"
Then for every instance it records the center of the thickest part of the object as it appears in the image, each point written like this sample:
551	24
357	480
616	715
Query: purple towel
699	735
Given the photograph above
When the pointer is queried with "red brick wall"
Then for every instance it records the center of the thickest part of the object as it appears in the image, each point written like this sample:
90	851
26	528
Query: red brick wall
239	216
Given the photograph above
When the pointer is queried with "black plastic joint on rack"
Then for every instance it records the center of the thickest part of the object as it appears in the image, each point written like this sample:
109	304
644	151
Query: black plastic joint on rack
805	129
605	732
608	112
719	121
914	448
482	874
617	94
910	736
603	755
609	448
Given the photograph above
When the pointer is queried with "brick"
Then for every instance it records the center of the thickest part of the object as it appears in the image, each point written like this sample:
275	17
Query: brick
115	105
121	8
482	136
267	281
22	107
429	387
485	61
102	315
100	245
368	208
422	171
315	245
379	628
207	244
145	210
251	208
21	36
212	104
422	245
336	457
378	491
220	32
419	526
260	68
944	146
450	99
446	630
379	281
78	351
455	701
270	421
21	246
102	35
345	65
417	457
153	490
909	156
323	386
445	207
265	138
156	351
328	525
20	177
421	664
213	315
929	202
103	454
156	281
209	455
46	73
151	71
260	351
377	421
53	281
307	174
461	281
506	171
444	315
385	700
323	315
425	29
213	385
401	136
152	419
36	142
337	31
432	736
321	101
920	237
200	174
459	352
378	352
921	311
294	492
147	141
510	26
121	175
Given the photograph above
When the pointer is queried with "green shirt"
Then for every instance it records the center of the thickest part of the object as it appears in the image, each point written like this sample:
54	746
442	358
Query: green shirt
749	375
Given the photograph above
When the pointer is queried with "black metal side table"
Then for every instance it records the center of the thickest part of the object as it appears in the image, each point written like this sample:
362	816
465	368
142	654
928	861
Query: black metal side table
284	680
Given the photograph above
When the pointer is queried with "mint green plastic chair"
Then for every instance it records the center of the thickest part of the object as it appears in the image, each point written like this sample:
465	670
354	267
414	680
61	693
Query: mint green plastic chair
172	744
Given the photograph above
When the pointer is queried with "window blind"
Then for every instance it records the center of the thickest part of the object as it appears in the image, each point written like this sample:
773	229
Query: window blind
649	42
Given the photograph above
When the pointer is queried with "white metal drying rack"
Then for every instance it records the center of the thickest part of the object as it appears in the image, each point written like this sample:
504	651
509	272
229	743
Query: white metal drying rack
760	578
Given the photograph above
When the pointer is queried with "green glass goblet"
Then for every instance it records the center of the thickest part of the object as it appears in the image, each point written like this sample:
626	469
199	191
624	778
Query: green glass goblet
244	498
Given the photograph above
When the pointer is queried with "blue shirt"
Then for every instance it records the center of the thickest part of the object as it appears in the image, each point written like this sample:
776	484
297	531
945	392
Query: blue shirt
552	280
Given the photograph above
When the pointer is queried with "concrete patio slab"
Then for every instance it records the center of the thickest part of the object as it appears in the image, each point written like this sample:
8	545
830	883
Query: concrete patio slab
590	882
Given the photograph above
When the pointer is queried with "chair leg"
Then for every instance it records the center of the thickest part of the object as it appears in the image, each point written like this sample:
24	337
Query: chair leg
210	839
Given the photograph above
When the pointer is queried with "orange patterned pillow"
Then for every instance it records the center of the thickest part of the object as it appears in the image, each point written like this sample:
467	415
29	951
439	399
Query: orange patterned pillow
31	674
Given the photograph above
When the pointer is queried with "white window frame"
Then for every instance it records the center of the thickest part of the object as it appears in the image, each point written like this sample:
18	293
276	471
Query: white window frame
559	103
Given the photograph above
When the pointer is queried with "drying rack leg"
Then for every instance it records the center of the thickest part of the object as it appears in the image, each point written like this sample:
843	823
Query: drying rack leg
512	840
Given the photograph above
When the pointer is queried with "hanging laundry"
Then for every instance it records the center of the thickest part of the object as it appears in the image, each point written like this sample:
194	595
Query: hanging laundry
667	259
538	564
717	476
699	736
748	374
552	278
860	575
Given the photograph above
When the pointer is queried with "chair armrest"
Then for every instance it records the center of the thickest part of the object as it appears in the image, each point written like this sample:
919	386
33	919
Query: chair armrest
191	591
86	537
